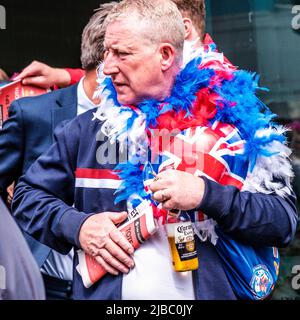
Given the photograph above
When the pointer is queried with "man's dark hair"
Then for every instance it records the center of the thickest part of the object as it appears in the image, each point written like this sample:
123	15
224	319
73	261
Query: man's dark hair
194	10
92	49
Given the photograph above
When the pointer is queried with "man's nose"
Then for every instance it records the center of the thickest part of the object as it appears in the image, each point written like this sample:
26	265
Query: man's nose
110	64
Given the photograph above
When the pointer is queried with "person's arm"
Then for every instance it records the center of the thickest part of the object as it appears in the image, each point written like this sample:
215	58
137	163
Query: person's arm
11	148
75	75
43	206
255	218
43	198
41	75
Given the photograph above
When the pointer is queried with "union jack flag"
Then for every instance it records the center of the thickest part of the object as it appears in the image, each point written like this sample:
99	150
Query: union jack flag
216	152
213	152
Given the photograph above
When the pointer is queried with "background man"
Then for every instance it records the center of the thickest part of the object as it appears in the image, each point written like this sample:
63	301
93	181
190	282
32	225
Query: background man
29	132
194	14
143	55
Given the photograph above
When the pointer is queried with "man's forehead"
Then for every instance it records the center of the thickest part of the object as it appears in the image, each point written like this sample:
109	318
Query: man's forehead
123	32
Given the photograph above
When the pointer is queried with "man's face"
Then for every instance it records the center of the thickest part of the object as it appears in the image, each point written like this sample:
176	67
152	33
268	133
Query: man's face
133	63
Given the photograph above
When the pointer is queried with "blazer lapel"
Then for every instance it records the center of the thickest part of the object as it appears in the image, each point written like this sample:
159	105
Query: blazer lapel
66	106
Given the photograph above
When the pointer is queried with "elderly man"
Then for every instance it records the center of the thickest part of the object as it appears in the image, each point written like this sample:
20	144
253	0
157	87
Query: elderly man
142	88
29	132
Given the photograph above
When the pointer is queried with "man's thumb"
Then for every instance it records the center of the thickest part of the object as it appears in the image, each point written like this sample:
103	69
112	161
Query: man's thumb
117	217
35	81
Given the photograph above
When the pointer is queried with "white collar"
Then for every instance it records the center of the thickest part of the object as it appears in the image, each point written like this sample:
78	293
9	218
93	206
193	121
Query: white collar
84	103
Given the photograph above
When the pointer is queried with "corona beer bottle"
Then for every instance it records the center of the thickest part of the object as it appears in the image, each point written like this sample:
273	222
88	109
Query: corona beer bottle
181	241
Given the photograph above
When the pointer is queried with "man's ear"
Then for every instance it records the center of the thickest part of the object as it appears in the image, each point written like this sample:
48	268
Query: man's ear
167	53
188	27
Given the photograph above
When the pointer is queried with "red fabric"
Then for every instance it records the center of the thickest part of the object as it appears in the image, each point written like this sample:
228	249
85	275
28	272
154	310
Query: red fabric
96	174
207	40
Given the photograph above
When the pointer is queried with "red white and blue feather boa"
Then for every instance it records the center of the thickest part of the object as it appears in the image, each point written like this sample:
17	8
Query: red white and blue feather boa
208	89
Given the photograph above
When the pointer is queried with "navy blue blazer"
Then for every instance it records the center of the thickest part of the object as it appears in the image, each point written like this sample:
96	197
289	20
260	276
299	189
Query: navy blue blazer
51	204
27	134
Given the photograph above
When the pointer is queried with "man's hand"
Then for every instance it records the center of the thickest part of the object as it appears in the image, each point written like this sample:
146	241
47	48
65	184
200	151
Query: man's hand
100	238
10	194
178	190
3	75
44	76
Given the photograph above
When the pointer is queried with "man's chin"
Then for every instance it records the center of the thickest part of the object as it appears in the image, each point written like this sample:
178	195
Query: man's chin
126	101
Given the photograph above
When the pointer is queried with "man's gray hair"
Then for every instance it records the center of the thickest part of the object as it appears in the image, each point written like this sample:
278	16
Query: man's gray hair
92	49
160	19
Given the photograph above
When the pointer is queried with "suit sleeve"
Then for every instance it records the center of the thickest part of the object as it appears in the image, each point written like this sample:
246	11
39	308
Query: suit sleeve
23	278
254	218
11	148
44	197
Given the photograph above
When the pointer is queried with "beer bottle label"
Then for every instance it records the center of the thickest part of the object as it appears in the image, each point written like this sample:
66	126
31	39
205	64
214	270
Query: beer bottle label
184	241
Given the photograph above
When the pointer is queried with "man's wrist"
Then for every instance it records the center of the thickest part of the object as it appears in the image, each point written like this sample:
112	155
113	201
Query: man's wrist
70	225
63	78
216	199
75	75
202	189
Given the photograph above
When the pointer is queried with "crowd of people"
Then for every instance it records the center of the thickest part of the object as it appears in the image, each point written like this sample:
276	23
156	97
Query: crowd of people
146	65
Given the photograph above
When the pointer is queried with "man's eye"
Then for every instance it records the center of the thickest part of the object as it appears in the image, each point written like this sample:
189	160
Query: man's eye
123	53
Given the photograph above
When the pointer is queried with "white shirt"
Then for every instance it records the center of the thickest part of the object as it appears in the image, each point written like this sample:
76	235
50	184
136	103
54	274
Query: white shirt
153	277
84	103
58	265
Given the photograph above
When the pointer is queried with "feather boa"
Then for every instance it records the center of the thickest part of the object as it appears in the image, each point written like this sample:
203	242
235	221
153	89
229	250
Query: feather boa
271	174
207	89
